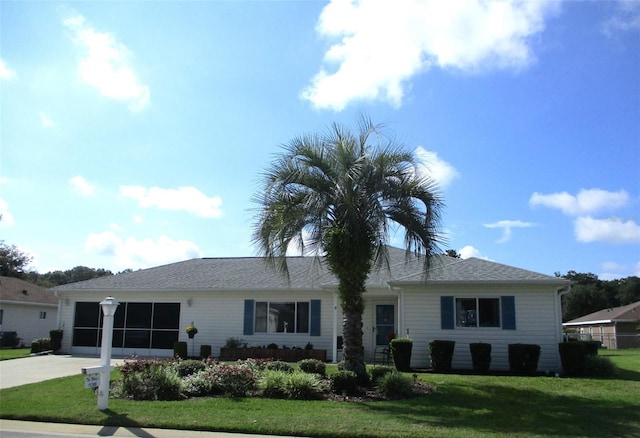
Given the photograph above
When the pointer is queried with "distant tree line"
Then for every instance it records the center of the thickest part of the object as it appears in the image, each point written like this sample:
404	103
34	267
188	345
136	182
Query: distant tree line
590	294
15	263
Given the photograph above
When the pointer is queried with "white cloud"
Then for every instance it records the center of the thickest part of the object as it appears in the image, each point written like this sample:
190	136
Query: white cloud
585	202
439	170
5	72
187	199
507	225
82	186
626	17
378	45
469	251
611	230
6	219
106	64
45	121
614	271
138	254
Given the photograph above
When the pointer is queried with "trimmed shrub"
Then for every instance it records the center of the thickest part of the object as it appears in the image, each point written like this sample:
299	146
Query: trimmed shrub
56	339
180	349
480	356
395	385
205	351
592	347
40	345
572	357
188	367
401	353
523	358
313	366
278	365
9	339
598	366
344	381
441	354
378	372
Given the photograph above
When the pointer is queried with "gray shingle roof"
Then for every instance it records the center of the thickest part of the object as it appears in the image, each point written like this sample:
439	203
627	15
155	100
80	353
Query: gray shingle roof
305	273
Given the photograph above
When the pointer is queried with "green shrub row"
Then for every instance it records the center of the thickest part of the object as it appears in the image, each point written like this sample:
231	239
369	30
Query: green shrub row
580	358
40	345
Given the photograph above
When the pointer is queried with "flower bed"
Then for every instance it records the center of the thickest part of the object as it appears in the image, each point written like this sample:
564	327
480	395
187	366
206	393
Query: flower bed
283	354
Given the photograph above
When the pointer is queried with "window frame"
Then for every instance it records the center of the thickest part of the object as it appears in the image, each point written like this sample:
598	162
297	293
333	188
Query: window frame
477	315
262	310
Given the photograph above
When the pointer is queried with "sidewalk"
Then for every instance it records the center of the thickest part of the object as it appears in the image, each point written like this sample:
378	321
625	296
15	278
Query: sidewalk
79	430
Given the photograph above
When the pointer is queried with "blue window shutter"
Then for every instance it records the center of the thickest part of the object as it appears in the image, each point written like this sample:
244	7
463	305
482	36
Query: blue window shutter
447	321
314	330
248	317
508	312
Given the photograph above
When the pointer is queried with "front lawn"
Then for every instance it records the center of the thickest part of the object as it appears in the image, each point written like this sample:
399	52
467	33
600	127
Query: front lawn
14	353
462	405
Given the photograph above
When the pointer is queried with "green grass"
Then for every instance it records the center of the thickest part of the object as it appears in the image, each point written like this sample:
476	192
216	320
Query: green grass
462	406
14	353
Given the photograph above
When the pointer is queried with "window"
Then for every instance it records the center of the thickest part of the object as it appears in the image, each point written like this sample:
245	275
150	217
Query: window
290	317
1	315
477	312
135	325
43	315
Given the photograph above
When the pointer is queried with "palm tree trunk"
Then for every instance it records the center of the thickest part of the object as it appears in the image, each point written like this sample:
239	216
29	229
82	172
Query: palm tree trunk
353	348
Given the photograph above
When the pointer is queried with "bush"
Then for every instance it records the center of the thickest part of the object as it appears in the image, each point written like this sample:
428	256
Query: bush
395	385
401	353
344	381
56	339
205	351
480	356
278	365
233	343
272	384
313	366
150	380
597	366
40	345
235	380
523	358
441	354
180	349
592	347
303	386
9	339
572	357
188	367
378	372
294	386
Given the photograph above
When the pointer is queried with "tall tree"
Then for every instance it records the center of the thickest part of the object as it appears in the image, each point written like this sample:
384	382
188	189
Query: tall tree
338	194
13	262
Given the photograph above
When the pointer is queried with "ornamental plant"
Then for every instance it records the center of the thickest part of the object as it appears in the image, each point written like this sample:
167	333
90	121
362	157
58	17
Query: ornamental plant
191	330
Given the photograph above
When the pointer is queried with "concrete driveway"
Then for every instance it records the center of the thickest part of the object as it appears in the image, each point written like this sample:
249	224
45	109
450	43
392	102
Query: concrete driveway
16	372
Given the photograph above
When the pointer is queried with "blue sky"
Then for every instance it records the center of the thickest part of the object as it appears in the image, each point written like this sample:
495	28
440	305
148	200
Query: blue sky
133	134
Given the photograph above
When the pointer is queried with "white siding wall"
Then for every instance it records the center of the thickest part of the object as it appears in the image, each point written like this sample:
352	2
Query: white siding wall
535	324
25	320
218	316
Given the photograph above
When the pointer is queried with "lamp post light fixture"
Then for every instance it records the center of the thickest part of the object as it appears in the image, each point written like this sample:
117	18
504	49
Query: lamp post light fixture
109	306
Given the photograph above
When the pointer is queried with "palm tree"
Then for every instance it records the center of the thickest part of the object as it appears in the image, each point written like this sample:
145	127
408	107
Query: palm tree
338	195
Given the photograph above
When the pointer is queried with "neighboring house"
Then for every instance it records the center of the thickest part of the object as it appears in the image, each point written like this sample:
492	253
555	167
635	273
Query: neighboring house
26	308
469	300
615	328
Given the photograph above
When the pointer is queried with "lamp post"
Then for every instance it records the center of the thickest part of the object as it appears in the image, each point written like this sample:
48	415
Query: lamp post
109	306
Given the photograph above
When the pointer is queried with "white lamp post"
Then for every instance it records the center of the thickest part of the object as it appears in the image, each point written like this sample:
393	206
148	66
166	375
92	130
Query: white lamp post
109	306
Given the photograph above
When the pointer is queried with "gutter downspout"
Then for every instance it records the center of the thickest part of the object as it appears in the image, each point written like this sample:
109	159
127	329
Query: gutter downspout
560	337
